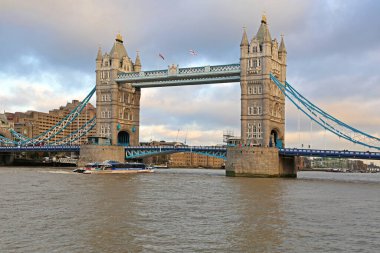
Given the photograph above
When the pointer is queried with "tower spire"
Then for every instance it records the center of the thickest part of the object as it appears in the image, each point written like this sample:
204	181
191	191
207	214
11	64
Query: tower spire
263	34
244	40
282	48
99	56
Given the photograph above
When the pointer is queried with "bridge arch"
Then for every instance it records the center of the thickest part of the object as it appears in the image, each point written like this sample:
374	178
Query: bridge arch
123	138
276	138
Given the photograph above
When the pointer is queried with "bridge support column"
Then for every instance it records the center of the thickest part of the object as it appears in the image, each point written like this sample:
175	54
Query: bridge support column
97	153
7	158
258	162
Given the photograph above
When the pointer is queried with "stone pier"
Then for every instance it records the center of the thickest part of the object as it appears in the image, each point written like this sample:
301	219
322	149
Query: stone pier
6	158
99	153
258	162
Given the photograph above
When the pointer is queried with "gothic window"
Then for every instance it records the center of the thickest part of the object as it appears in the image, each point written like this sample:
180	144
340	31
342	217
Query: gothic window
259	110
120	113
255	89
260	89
250	89
109	114
257	131
108	130
250	131
276	110
102	130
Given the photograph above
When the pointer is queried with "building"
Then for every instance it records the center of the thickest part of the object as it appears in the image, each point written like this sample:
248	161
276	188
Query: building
305	163
118	106
181	160
5	125
34	123
194	160
262	102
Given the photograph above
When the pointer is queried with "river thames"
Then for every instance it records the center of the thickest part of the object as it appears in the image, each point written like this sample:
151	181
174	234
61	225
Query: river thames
187	210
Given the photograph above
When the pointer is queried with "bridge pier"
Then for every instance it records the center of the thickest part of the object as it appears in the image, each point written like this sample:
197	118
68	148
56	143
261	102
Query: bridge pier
259	162
6	158
99	153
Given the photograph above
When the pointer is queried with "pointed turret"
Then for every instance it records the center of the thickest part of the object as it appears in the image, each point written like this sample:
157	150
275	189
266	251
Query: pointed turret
263	34
244	40
99	57
114	54
282	48
282	51
118	47
137	63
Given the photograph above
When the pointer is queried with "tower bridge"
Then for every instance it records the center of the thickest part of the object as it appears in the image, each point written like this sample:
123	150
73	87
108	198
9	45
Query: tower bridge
261	72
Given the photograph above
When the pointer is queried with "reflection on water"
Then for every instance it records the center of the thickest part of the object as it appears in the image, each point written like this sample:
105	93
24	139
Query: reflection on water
50	210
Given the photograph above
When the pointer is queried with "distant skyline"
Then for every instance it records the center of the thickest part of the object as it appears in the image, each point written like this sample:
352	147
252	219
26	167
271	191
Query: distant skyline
48	51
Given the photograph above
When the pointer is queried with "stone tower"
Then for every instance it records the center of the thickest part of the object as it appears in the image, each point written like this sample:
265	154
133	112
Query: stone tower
117	105
262	102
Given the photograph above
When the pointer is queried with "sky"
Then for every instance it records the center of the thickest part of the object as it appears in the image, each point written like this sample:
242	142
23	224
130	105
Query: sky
48	51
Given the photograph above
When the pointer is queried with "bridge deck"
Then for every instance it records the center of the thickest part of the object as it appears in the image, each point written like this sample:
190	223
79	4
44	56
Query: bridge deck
216	151
174	76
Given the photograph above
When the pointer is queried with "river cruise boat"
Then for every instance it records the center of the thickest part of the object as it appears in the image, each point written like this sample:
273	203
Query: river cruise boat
114	167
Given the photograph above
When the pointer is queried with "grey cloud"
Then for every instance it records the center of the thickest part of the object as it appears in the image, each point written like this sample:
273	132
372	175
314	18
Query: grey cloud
329	46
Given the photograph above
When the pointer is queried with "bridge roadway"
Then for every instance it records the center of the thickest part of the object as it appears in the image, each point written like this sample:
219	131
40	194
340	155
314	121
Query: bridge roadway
174	76
215	151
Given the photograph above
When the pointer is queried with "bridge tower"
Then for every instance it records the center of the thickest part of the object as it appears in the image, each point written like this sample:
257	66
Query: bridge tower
117	105
262	110
262	102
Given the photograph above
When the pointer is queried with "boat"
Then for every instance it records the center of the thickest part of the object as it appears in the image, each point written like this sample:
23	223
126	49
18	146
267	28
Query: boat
160	166
89	166
114	167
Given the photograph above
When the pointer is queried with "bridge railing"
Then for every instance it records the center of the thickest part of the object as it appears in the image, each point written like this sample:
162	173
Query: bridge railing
180	72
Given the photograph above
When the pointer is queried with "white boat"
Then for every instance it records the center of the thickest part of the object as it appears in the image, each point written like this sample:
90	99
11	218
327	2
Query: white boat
114	167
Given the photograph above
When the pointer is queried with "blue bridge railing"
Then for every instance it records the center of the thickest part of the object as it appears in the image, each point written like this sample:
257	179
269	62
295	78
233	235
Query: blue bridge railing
58	148
213	151
145	151
330	153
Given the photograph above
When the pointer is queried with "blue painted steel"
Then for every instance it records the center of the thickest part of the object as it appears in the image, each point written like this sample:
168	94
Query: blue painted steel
53	131
330	153
85	129
59	148
325	120
221	152
145	151
182	76
60	126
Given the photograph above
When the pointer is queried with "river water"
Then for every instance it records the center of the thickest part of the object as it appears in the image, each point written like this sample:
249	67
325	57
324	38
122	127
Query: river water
184	210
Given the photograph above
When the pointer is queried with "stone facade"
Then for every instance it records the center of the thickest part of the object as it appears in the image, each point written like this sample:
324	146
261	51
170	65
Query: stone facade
118	105
262	102
262	110
258	162
98	153
194	160
5	125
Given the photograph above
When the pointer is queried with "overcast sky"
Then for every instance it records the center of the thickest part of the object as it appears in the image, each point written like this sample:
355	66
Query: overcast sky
48	51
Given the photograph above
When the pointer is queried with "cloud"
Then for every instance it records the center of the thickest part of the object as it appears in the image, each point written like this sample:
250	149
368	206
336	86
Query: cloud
49	47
